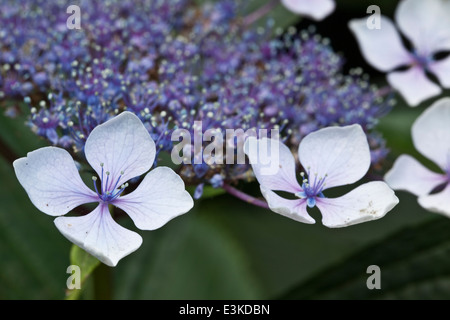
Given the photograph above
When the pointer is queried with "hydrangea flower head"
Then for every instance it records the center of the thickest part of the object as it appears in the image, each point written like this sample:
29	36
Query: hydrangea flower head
431	137
176	62
426	25
118	150
333	156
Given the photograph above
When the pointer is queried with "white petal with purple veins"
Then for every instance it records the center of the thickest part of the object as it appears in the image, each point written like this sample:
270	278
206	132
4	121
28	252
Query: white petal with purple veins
413	85
382	48
160	197
294	209
341	155
51	179
409	175
367	202
98	234
273	164
438	202
316	9
425	23
441	70
121	144
431	133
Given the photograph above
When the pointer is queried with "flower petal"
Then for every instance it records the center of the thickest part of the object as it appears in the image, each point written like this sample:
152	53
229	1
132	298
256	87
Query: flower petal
409	175
369	201
121	144
413	85
425	24
316	9
340	153
438	202
160	197
431	133
98	234
382	48
51	179
273	164
294	209
441	70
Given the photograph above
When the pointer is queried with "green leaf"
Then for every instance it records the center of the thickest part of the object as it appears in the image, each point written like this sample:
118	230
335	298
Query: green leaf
33	253
396	130
226	248
414	263
192	257
87	265
18	139
281	17
283	252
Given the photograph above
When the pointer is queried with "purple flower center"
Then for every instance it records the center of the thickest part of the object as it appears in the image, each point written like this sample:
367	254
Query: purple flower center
447	171
108	190
311	188
423	61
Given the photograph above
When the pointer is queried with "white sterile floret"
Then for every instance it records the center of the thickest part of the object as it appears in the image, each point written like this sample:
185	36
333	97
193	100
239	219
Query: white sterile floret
118	150
331	157
427	27
431	137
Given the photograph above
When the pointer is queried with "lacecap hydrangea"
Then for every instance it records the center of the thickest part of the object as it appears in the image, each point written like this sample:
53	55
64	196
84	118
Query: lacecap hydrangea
173	63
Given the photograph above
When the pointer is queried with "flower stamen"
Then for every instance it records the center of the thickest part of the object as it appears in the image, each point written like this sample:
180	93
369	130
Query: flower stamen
311	191
107	194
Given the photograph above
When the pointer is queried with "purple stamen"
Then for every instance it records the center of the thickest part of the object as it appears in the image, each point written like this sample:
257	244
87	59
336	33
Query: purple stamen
107	194
311	191
422	60
117	182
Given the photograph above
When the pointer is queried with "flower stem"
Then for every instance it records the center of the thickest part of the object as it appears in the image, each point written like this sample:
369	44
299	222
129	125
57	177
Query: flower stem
102	282
259	13
384	91
244	197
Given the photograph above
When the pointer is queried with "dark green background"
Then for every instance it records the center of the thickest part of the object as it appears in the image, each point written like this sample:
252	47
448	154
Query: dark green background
227	249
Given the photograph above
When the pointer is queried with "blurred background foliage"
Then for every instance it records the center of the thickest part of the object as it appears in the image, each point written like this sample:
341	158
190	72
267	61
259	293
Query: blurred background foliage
227	249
